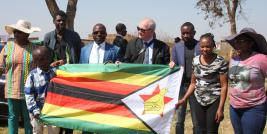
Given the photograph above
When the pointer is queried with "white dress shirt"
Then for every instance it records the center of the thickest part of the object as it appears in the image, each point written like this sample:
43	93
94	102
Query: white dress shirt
150	51
97	53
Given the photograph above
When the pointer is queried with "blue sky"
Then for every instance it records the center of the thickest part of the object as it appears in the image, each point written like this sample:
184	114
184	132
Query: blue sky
168	14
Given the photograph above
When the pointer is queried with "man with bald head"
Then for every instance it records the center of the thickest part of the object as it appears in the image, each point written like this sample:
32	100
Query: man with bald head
146	49
99	51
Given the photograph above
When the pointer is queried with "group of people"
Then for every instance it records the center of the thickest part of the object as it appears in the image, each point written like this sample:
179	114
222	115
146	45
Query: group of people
206	76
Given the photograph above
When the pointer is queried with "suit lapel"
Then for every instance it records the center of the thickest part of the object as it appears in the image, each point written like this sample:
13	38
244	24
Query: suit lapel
53	39
107	52
88	53
155	50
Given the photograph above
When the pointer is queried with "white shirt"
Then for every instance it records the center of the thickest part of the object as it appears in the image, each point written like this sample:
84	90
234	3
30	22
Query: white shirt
97	53
150	51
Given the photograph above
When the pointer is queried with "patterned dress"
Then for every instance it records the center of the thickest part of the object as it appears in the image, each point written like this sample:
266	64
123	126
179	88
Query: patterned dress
208	87
17	61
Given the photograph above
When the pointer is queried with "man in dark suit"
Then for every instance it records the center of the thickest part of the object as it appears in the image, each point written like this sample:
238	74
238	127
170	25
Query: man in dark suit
146	49
99	51
120	41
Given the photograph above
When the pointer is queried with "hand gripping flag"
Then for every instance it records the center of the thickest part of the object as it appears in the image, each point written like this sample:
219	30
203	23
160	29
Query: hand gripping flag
131	98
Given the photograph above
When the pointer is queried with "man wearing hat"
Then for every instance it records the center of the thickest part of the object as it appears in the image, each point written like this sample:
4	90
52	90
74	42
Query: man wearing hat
16	62
247	73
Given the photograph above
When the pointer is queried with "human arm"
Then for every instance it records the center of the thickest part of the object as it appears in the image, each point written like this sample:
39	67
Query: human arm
30	93
2	61
219	114
57	63
167	55
189	91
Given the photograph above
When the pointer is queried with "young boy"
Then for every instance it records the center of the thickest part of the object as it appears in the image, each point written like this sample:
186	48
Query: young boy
36	86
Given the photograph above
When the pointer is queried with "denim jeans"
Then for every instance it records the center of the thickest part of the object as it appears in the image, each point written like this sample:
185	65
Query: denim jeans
249	120
15	108
181	112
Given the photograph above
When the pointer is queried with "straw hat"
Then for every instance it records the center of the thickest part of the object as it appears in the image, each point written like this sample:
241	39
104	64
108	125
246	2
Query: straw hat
258	38
23	26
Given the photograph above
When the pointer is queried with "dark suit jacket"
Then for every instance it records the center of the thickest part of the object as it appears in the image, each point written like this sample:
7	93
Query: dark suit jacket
73	42
134	53
121	43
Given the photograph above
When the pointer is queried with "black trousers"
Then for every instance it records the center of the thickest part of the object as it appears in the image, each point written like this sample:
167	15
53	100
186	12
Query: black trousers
206	117
66	130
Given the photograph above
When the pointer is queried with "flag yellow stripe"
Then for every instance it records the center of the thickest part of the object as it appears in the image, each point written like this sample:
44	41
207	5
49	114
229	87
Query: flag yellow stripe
117	77
113	120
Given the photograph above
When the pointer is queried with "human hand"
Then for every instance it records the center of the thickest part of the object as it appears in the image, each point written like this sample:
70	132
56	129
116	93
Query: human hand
36	116
171	65
180	102
219	116
57	63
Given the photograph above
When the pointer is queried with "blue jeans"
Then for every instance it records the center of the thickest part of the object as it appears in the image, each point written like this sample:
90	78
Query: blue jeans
181	112
249	120
15	108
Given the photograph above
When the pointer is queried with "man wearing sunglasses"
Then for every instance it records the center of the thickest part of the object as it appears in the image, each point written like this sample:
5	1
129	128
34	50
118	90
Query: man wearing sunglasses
99	51
146	49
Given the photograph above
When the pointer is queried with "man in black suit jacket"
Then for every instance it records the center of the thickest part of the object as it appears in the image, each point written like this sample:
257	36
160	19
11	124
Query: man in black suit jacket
120	41
146	49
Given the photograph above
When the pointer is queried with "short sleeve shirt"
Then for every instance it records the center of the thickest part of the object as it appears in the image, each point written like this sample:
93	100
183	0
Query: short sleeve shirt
246	81
208	87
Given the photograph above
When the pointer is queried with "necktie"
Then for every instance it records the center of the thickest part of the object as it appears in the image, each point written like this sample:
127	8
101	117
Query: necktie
98	53
146	57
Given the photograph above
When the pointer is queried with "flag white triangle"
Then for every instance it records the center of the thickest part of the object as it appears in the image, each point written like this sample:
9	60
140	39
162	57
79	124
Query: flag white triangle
155	104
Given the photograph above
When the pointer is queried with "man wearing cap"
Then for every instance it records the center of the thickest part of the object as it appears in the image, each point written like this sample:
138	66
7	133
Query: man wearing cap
65	43
16	62
247	73
145	49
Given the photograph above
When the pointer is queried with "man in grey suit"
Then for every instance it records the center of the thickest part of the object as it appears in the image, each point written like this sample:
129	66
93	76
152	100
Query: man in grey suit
146	49
99	51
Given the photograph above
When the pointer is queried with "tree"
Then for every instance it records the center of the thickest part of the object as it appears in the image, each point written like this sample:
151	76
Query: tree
216	10
71	11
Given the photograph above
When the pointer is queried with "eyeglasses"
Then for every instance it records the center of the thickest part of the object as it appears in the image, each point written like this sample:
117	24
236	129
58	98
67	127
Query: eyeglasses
142	30
101	32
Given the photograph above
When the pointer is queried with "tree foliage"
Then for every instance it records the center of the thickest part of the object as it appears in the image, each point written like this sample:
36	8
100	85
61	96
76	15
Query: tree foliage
71	11
217	10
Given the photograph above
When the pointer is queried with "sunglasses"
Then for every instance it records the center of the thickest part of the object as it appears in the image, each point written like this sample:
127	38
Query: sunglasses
99	32
142	30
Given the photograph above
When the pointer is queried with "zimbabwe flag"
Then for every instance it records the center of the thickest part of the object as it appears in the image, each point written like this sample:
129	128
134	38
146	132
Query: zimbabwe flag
124	99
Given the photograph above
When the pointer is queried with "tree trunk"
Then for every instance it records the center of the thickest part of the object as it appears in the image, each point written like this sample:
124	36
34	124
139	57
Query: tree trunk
52	7
231	11
71	12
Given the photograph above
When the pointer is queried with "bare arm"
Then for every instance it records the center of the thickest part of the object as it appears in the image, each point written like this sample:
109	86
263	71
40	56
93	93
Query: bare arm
223	81
189	91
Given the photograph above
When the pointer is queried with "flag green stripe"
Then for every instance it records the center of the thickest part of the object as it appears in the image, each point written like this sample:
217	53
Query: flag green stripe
89	126
145	69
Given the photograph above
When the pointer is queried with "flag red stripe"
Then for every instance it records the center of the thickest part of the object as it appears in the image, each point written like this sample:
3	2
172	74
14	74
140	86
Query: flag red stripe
97	85
88	105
